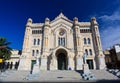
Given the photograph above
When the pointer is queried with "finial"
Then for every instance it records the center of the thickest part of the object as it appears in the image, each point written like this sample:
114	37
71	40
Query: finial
29	20
61	15
93	19
75	19
47	19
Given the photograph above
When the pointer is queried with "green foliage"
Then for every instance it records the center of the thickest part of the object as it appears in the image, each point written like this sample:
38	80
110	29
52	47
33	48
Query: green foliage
5	50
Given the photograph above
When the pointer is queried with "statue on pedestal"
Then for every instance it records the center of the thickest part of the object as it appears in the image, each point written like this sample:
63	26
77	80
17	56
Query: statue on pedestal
85	65
87	75
36	69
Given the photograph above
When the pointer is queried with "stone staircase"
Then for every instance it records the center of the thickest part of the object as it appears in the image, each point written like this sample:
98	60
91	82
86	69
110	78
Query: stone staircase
18	76
59	75
104	75
6	74
44	76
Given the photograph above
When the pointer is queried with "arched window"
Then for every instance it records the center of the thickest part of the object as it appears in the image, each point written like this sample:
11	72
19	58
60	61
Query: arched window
34	42
38	42
61	41
89	41
33	52
85	42
37	52
90	51
86	52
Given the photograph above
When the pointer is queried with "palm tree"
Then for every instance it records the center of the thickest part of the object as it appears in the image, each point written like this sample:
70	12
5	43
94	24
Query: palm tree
5	50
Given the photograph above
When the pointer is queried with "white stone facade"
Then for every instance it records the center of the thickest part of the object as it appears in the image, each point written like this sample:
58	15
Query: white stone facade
61	44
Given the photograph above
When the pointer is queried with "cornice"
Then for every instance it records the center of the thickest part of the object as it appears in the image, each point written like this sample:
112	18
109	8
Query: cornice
37	25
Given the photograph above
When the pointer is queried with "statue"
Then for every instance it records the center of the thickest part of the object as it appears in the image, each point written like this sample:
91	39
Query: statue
37	60
84	58
87	75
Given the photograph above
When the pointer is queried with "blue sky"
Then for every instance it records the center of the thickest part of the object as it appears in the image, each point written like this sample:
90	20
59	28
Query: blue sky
14	15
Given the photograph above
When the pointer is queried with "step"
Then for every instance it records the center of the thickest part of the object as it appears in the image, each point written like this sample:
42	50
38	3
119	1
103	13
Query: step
104	75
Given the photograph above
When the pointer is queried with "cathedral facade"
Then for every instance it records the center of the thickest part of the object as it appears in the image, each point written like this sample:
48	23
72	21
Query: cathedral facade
61	44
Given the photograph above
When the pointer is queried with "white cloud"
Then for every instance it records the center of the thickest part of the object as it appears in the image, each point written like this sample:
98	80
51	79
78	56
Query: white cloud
110	34
114	17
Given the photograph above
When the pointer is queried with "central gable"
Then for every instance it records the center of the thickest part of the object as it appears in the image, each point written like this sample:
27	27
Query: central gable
61	20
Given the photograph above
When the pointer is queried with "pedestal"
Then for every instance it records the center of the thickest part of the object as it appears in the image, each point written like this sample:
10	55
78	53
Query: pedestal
24	64
36	69
43	64
53	67
79	64
85	68
101	63
87	75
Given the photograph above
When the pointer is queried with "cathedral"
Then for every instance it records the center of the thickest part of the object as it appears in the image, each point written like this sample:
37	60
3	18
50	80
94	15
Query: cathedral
61	44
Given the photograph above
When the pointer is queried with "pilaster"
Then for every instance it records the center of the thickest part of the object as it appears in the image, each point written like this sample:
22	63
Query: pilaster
71	62
46	35
79	63
43	65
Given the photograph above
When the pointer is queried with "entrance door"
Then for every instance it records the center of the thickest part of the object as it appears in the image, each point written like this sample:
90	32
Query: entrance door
61	58
90	64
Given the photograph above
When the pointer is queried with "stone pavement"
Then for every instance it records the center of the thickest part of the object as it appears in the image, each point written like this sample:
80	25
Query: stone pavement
58	76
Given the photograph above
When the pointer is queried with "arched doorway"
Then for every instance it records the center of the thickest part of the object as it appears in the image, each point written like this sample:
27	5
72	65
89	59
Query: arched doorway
62	61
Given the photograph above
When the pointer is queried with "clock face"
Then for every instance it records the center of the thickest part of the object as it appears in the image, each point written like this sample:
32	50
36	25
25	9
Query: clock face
61	33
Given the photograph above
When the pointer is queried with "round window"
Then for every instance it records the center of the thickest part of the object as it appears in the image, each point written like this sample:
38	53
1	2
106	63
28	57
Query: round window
61	32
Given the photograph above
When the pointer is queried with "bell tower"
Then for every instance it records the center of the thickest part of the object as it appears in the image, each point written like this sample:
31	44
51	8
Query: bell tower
97	44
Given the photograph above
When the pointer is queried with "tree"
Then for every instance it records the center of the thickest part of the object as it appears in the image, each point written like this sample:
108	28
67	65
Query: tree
5	50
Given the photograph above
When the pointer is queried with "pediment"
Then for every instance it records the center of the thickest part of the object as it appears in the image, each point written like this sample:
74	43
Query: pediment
61	20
